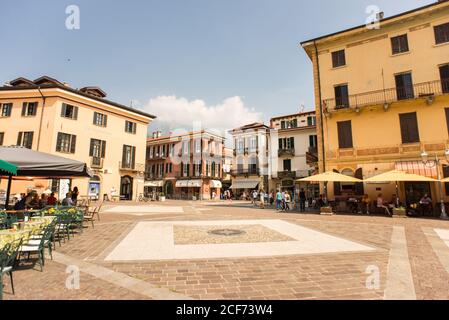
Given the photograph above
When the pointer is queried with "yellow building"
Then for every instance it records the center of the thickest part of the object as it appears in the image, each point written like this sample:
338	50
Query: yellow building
382	99
49	116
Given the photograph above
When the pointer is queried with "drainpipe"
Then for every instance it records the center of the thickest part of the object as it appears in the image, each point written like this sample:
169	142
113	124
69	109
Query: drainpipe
321	116
42	117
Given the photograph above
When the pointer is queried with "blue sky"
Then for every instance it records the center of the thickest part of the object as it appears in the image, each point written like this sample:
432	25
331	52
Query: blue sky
179	56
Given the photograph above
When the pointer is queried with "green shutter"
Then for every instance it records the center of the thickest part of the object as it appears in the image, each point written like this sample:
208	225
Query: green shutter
72	143
63	109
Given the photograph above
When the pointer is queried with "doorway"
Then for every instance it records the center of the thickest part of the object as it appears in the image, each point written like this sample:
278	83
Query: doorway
414	191
126	188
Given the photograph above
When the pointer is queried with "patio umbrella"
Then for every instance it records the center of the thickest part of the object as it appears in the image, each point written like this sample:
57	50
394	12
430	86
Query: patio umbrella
30	163
445	180
399	176
7	168
330	176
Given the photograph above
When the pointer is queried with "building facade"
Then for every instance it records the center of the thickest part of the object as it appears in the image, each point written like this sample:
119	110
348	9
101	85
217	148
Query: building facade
293	152
49	116
250	165
382	100
185	166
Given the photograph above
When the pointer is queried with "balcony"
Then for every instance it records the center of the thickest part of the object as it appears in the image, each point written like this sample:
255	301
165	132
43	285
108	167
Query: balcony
245	172
127	166
286	152
426	90
286	174
96	162
154	176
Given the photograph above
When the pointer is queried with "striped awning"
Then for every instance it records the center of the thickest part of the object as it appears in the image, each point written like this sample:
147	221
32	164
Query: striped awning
215	184
182	183
244	184
158	183
194	184
418	167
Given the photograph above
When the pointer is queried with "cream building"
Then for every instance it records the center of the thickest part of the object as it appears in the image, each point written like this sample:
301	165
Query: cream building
49	116
382	100
250	165
293	152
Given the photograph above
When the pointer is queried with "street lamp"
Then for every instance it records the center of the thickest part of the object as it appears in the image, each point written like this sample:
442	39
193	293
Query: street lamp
436	163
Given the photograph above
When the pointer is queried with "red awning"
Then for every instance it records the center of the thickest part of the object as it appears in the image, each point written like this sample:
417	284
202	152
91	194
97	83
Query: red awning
418	167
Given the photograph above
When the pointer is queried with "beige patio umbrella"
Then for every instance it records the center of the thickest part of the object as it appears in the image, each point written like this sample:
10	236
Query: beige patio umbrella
399	176
445	180
330	176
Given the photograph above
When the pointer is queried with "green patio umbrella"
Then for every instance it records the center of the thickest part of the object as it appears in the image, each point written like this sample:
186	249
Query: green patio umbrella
7	168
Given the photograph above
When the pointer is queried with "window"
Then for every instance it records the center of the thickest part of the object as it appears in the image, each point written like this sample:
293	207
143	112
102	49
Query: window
442	33
5	110
29	109
287	165
97	148
128	157
294	123
172	150
282	124
25	139
311	121
338	58
252	144
341	96
289	124
404	86
185	169
151	148
185	147
313	141
444	75
252	166
399	44
197	145
130	127
286	143
2	137
409	127
66	143
100	119
240	145
344	134
69	111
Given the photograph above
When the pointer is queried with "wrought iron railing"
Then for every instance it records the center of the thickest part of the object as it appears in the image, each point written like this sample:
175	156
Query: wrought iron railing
417	90
245	172
96	162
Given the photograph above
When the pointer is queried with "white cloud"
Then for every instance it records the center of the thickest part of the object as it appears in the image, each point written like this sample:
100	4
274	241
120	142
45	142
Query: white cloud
177	112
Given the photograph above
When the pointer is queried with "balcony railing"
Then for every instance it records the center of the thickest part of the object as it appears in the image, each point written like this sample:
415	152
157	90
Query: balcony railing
127	166
390	95
287	174
246	172
154	176
96	162
286	152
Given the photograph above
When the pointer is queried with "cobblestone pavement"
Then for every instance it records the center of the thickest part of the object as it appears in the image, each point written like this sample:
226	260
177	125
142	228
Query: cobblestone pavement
343	275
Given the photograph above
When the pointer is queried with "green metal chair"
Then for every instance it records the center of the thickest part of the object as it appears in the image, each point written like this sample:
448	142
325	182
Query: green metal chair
8	259
38	246
3	220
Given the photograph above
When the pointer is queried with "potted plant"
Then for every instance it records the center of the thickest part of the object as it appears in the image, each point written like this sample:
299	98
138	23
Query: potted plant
327	210
400	212
162	197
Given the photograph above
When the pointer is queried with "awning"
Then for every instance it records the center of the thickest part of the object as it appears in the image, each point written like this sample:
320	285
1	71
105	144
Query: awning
153	183
245	184
417	167
194	183
215	184
182	183
7	168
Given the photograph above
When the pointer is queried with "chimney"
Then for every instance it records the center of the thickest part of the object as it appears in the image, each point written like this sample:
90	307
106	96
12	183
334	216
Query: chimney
158	134
380	16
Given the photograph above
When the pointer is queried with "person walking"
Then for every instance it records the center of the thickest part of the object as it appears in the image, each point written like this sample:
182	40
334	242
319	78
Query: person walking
287	201
255	194
74	195
302	200
278	200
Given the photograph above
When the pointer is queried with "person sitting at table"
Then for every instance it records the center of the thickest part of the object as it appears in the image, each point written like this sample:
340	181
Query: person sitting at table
366	201
51	200
34	203
43	201
67	201
425	205
20	205
380	204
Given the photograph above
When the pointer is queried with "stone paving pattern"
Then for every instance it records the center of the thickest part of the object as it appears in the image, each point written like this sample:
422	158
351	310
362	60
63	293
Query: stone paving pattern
323	276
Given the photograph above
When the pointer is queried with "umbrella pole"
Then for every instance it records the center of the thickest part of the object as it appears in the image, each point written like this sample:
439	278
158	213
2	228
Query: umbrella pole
397	195
8	192
325	193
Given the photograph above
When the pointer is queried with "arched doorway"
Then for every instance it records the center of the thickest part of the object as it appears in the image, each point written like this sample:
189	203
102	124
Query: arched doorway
126	188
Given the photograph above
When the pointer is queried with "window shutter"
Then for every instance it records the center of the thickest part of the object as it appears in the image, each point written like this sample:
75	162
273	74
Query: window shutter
91	149
344	134
337	186
75	113
34	108
72	143
124	155
409	127
133	158
105	118
63	109
24	108
30	140
280	143
292	142
359	188
446	175
58	142
103	149
19	139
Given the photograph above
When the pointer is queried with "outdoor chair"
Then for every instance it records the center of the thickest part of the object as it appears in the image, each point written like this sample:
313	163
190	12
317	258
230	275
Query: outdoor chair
3	220
38	246
8	257
89	215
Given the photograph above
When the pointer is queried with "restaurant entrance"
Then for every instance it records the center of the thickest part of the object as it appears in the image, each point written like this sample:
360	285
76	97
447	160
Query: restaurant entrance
126	188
